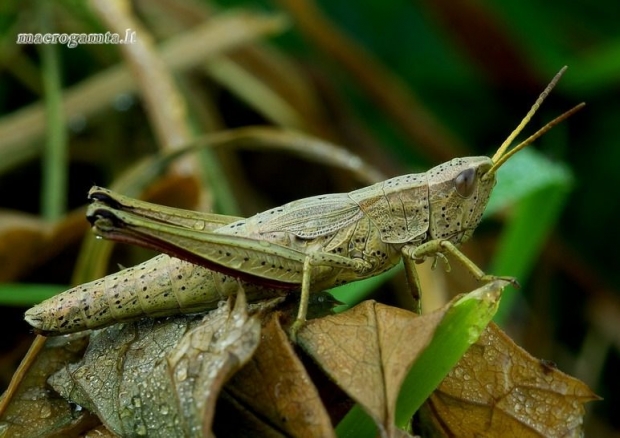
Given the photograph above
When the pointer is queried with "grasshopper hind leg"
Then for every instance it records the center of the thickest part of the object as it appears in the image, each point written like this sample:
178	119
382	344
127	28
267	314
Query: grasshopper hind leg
358	266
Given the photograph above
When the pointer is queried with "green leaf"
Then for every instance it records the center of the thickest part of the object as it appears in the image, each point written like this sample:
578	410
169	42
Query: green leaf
459	329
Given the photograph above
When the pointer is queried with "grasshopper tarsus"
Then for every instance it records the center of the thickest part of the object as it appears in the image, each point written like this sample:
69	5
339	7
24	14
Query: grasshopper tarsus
513	281
491	278
294	329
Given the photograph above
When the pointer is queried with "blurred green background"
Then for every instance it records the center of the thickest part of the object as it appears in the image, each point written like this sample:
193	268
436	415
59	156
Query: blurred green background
403	84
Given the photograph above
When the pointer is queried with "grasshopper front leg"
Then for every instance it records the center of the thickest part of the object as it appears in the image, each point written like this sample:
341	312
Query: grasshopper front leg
438	247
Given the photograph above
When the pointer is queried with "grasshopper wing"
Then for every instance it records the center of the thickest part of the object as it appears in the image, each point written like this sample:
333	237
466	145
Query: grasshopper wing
310	217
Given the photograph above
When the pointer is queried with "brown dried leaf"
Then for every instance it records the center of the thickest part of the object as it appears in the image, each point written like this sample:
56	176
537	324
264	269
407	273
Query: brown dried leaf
180	191
34	409
368	350
272	395
207	357
22	237
161	379
27	241
498	389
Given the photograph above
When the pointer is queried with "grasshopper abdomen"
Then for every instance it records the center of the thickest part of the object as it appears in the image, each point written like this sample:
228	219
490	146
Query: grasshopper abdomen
160	286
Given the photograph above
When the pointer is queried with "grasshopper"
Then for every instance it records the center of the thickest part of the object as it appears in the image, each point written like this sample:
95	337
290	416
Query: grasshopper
307	245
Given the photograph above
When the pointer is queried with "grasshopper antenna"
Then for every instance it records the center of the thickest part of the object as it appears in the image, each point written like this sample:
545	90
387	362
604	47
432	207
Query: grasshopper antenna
501	156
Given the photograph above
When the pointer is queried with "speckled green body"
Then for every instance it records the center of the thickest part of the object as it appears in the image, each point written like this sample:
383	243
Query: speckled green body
349	236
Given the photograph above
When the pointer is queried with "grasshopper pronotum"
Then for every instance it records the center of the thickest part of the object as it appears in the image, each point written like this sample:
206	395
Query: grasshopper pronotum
309	245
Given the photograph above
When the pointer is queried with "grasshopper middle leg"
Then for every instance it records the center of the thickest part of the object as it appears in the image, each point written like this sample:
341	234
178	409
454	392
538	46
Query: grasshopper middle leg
358	266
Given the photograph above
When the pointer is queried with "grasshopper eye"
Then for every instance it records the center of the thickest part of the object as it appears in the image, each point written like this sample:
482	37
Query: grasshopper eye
465	182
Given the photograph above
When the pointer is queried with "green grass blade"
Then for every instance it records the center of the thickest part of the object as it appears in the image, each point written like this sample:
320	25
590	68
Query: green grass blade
524	236
54	185
27	294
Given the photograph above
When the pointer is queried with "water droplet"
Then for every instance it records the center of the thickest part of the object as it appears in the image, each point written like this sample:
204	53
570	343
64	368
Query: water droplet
181	371
164	409
46	411
529	410
77	123
140	429
126	413
355	162
123	101
199	225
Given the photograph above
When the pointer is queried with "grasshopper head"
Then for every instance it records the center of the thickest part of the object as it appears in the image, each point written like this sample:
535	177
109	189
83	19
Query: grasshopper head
460	189
458	195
